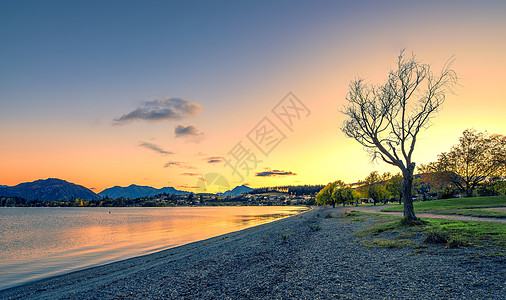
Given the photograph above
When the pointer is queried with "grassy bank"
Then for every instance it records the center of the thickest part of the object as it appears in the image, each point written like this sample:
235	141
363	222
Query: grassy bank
390	232
475	206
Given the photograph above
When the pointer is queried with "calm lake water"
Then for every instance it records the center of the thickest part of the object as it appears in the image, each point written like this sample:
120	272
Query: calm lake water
40	242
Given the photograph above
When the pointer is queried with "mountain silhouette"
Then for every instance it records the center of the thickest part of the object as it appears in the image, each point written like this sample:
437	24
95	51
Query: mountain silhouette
135	191
48	190
237	191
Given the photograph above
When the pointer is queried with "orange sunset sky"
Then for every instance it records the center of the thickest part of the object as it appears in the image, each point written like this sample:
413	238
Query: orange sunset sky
160	93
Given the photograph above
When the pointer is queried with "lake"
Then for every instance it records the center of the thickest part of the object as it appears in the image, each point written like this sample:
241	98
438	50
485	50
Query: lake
40	242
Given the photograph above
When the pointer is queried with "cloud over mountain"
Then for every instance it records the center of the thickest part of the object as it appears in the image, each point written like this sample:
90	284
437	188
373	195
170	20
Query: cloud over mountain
214	159
160	110
180	164
185	186
274	173
190	174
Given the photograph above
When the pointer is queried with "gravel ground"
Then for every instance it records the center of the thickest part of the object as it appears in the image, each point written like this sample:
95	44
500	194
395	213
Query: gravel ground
302	257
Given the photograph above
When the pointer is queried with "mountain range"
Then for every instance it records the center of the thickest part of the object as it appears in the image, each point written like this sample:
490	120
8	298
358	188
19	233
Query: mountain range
136	191
57	189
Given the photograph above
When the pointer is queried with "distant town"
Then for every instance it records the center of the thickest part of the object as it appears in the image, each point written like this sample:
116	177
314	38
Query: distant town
286	195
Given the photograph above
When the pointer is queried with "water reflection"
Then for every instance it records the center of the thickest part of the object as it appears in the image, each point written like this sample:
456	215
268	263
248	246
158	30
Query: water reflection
39	242
260	219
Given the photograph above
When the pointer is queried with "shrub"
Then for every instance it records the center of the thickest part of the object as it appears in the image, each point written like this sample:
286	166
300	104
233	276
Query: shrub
457	243
314	227
436	237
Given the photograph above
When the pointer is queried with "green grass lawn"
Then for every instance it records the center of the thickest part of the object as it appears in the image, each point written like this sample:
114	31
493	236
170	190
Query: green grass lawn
459	206
449	233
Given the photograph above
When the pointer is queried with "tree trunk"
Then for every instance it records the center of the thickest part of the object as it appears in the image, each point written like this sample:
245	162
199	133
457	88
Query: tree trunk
469	190
407	184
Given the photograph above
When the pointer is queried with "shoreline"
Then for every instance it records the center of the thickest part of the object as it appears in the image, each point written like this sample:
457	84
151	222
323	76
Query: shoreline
119	262
302	256
34	249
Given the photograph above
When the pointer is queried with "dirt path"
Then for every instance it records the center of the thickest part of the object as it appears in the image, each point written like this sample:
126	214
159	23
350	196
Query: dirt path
378	208
503	209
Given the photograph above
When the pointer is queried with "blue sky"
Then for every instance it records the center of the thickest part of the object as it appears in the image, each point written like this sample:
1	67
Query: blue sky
68	69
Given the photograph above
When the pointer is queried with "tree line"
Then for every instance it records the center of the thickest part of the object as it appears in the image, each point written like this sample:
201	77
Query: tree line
297	190
76	202
476	166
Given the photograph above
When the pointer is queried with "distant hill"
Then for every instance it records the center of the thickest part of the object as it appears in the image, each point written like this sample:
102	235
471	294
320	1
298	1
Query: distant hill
237	191
48	190
135	191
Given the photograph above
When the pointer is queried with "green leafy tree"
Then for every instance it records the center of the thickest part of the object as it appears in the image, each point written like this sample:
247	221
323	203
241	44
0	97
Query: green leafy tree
475	159
373	186
386	119
342	194
325	196
420	189
493	187
394	185
378	193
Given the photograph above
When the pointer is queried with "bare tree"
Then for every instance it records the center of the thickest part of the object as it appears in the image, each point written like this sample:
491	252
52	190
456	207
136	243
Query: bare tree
386	119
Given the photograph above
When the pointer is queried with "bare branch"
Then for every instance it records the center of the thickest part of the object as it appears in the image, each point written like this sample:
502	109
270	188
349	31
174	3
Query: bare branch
387	119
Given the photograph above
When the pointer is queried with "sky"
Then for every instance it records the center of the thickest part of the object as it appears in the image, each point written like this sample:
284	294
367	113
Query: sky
195	94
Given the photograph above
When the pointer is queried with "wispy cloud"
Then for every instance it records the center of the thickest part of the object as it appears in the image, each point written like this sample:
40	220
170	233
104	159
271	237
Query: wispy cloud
190	174
160	110
185	186
178	164
172	164
154	148
274	173
214	159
